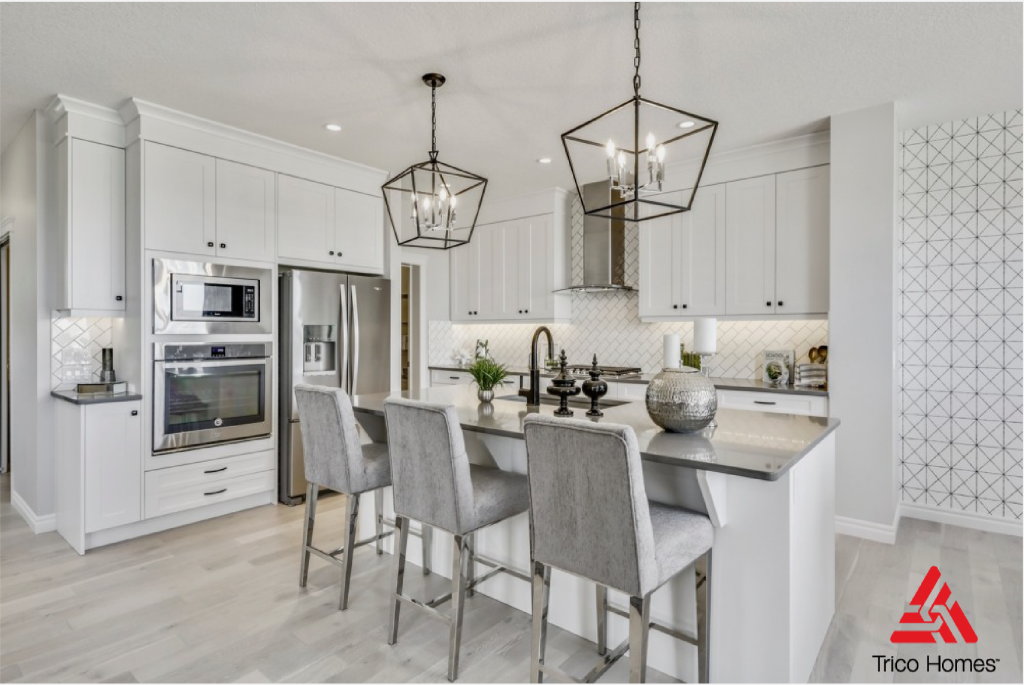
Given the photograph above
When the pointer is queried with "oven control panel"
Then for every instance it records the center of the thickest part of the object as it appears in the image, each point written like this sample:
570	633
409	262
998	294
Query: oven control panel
198	351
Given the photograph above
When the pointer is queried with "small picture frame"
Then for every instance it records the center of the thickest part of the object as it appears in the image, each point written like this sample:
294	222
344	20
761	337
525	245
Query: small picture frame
778	366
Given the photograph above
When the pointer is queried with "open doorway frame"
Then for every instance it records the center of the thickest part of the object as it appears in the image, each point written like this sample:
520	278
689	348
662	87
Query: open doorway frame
413	342
5	343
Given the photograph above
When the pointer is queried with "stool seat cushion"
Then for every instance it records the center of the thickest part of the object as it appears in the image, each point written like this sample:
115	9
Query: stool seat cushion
497	495
680	538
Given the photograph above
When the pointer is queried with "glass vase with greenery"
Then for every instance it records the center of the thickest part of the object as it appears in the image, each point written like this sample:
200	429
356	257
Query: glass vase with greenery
487	374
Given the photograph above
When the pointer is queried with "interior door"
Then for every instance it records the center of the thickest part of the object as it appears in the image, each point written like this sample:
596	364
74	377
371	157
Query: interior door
801	240
750	246
245	212
305	220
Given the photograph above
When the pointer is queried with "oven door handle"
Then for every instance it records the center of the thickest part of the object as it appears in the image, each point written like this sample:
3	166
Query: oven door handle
212	363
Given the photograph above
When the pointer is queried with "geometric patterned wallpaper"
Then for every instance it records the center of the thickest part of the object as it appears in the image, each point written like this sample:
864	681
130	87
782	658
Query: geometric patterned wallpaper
609	325
76	349
960	309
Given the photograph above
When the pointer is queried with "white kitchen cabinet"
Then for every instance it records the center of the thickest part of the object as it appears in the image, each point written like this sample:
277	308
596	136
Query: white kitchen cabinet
750	246
682	259
305	220
180	200
99	468
465	281
359	231
446	377
245	214
190	486
91	229
801	241
774	402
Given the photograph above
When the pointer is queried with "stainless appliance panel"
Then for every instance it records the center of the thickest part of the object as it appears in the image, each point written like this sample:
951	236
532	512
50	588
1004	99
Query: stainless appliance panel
164	321
371	334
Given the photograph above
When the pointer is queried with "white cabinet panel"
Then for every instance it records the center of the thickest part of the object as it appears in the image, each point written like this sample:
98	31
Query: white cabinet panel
305	220
113	465
507	276
179	200
490	273
245	212
660	266
537	268
359	231
167	501
702	253
750	246
775	403
91	210
445	377
801	242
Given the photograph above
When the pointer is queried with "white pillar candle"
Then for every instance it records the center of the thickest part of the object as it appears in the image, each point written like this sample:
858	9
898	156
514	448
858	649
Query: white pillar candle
670	354
705	336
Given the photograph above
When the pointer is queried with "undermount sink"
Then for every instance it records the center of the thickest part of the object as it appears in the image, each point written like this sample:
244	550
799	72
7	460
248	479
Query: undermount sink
580	400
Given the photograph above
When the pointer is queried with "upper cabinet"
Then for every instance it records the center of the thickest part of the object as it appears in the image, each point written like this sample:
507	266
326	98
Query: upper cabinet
330	227
180	198
91	235
747	249
682	259
510	269
245	212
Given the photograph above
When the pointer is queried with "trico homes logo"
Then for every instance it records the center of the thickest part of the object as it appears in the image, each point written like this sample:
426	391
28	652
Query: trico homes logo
935	618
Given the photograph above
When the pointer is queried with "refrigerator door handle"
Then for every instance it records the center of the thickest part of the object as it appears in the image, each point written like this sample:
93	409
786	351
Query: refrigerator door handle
344	377
355	340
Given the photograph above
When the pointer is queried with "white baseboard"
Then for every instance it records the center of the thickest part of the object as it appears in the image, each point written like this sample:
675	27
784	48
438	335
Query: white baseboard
38	524
869	530
965	519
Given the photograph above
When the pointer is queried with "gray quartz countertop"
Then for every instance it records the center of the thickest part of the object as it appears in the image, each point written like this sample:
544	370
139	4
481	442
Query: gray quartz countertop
746	384
745	443
74	397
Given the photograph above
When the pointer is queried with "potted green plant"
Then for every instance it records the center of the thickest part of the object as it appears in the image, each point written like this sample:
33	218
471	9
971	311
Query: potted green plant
487	374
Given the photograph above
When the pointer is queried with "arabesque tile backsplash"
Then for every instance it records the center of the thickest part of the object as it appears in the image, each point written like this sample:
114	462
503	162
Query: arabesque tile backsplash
75	349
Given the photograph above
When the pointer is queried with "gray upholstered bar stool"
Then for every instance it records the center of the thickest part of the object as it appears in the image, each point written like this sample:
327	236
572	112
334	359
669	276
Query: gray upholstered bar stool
590	516
335	459
434	483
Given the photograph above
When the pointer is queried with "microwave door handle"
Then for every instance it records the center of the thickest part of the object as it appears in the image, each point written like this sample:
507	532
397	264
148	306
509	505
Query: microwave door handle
343	377
355	339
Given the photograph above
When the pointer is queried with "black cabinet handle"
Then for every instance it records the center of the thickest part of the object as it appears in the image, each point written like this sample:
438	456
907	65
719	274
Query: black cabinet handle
222	468
135	412
780	303
223	245
454	378
763	402
210	244
215	492
119	298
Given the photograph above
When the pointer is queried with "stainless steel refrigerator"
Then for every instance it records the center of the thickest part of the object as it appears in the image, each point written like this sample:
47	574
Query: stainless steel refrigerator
335	331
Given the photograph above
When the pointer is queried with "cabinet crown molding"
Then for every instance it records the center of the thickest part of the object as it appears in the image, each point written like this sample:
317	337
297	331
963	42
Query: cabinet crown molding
71	117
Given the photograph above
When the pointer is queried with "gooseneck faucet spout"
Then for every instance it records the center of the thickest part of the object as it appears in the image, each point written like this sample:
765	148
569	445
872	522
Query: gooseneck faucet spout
532	394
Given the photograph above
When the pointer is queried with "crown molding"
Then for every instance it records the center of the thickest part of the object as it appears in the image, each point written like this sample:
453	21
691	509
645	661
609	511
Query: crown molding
73	118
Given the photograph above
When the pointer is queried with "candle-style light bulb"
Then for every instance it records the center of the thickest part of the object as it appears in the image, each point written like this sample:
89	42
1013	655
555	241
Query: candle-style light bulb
650	142
613	172
661	153
610	148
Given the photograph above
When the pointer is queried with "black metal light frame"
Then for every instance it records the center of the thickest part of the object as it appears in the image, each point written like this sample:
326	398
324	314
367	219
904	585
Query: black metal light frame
607	211
439	170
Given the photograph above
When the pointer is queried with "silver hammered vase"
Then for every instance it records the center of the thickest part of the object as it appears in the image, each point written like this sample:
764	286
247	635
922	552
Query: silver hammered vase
681	400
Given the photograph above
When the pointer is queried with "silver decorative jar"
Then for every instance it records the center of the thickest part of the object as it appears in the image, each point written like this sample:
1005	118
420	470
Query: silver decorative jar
681	400
485	395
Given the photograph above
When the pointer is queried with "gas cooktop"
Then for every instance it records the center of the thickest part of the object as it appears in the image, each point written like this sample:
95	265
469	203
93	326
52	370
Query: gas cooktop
583	371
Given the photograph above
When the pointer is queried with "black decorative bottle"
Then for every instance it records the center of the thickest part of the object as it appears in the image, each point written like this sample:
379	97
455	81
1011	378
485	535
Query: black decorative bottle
595	389
563	386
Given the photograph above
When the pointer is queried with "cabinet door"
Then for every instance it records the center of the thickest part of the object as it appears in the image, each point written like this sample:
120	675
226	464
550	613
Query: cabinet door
507	256
305	220
801	242
359	231
245	212
537	267
700	268
465	281
113	465
95	231
660	254
489	272
750	246
180	200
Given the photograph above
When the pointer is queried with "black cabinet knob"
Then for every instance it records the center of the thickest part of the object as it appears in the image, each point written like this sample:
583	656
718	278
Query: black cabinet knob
223	245
135	412
118	298
675	306
526	311
340	253
209	244
769	304
684	306
780	303
331	253
520	311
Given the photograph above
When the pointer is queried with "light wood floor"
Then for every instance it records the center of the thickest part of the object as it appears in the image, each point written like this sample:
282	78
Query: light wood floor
218	601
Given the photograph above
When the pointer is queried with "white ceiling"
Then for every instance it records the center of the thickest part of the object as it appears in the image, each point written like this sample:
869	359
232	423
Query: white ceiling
519	74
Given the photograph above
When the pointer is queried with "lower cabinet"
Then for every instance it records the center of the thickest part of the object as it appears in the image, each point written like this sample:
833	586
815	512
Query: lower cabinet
99	468
195	485
442	377
774	402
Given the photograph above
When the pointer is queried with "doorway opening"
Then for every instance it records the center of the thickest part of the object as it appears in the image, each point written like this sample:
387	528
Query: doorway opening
412	368
5	351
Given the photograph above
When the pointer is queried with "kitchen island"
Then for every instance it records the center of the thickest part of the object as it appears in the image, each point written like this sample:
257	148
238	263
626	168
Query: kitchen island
766	480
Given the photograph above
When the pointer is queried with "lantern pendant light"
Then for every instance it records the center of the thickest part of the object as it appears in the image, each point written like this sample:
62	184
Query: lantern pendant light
630	145
433	204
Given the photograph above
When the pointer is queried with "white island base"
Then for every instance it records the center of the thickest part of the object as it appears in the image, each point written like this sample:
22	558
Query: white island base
773	575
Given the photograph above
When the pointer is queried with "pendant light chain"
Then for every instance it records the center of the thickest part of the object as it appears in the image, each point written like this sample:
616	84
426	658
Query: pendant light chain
433	120
636	46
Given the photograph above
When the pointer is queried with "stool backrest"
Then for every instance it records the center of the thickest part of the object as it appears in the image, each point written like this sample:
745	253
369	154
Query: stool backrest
588	506
330	438
429	464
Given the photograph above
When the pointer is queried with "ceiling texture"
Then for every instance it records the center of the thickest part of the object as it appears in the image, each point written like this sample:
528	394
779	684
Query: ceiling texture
519	74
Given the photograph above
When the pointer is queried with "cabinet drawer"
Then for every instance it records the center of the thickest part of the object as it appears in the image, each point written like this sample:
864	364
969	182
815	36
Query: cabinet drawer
198	475
440	377
778	403
632	391
167	501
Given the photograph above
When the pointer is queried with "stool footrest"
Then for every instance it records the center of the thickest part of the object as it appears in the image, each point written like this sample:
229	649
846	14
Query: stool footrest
391	522
486	561
606	662
333	555
671	632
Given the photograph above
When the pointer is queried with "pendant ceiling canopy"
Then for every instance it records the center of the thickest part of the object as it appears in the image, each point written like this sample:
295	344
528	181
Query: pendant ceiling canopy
631	145
433	204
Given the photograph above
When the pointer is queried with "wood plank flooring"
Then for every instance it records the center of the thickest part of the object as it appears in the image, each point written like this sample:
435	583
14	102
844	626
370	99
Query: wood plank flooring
218	601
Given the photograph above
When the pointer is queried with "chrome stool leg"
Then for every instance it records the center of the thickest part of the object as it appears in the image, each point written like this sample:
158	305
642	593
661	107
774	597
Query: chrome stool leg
539	636
378	505
703	617
602	620
470	564
351	534
639	629
427	538
312	490
398	575
459	559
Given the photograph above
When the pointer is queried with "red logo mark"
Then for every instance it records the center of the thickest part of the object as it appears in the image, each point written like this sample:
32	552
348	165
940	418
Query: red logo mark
935	620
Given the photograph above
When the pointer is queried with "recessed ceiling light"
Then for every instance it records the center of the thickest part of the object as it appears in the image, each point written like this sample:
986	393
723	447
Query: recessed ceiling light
544	160
685	124
333	128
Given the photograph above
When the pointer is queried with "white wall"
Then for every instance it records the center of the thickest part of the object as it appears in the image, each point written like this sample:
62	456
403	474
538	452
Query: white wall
861	313
23	197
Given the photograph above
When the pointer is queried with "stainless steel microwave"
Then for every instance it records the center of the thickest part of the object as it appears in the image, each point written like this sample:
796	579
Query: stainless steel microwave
199	297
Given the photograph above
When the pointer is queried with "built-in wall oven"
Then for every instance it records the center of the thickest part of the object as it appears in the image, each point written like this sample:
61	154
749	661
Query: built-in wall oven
204	297
206	393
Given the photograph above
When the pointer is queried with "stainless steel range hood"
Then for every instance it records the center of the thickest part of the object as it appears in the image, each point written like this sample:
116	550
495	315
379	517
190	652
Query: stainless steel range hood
604	244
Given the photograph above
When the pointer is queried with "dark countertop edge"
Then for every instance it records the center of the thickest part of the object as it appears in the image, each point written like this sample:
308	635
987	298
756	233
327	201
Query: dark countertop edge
740	384
73	397
830	428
